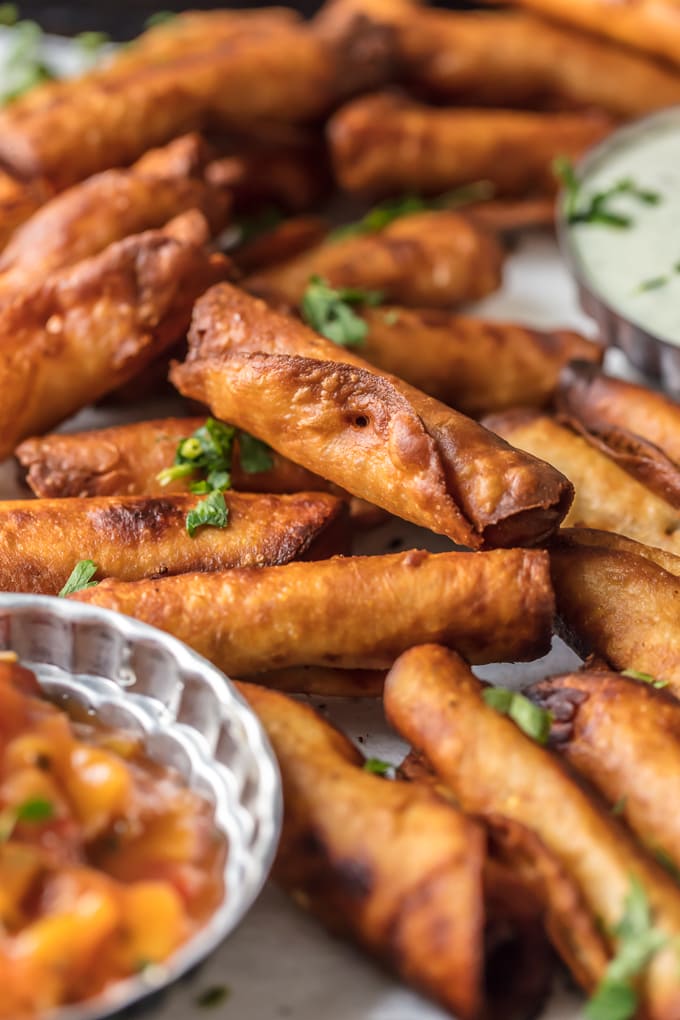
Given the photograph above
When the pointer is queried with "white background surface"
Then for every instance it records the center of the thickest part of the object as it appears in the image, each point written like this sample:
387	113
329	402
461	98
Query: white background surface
280	963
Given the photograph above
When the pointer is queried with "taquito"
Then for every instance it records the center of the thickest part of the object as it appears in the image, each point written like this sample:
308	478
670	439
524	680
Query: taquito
18	200
620	600
606	496
98	323
370	433
385	144
353	613
436	704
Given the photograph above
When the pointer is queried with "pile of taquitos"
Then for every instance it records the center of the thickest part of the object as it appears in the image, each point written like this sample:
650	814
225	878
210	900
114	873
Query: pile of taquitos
347	380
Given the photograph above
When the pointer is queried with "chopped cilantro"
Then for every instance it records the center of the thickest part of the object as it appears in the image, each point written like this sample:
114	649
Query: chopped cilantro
597	208
531	719
81	578
331	312
210	512
645	678
159	18
254	455
378	767
31	812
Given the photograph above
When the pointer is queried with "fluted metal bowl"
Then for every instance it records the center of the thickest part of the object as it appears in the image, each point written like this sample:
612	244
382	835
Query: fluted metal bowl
190	717
655	357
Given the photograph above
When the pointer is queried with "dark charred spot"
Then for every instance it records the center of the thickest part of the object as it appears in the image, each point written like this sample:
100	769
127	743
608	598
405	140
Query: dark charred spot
133	522
355	877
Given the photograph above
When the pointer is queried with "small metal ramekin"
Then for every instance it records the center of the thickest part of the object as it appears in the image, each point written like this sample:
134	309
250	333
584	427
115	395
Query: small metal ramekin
655	357
189	717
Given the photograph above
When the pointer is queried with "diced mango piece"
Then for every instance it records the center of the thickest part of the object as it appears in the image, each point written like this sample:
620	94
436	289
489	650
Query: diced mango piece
99	787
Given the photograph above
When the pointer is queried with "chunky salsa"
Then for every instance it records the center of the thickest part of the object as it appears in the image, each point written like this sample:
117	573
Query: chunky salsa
108	862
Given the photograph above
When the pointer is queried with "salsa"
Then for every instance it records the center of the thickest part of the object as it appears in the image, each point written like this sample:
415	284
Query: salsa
108	861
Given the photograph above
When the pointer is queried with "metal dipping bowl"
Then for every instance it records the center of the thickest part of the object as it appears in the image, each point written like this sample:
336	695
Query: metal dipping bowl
190	717
656	358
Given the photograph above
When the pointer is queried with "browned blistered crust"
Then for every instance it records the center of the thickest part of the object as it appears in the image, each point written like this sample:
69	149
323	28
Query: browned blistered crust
391	865
606	497
109	206
354	613
450	356
387	144
98	323
377	437
324	681
285	241
436	704
623	735
507	58
134	537
620	600
18	200
430	259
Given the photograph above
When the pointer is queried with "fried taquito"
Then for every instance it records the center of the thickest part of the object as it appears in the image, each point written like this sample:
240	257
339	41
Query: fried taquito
607	497
96	324
354	613
436	704
134	537
386	144
369	432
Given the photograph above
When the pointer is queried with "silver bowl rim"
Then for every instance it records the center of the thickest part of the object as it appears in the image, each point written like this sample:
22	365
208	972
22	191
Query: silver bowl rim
132	991
595	155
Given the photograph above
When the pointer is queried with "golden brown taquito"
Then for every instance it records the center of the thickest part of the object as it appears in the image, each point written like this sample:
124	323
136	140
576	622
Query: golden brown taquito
509	58
620	600
637	426
369	432
96	324
388	864
18	200
606	496
105	208
283	242
353	613
134	537
436	704
623	736
652	26
324	681
385	144
430	259
292	177
477	366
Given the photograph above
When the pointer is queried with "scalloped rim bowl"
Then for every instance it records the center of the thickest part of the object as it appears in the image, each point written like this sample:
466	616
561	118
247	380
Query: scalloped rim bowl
190	717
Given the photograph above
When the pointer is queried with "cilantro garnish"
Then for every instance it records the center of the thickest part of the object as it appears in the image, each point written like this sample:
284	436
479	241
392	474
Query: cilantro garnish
254	455
80	578
34	811
24	67
159	18
597	208
531	719
378	767
331	312
210	451
646	678
211	511
615	997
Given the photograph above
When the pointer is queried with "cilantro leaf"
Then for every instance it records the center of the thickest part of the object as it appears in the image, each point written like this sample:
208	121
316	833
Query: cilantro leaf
378	767
159	18
531	719
597	208
209	450
254	455
81	578
331	312
645	678
211	511
24	67
36	810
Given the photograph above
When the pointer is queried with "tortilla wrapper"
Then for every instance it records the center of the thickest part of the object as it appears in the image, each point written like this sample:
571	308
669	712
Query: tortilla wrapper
135	537
388	864
257	69
98	323
291	177
370	433
430	259
354	613
619	603
386	145
18	200
652	26
477	366
324	681
638	427
623	735
88	217
436	704
509	58
606	496
282	242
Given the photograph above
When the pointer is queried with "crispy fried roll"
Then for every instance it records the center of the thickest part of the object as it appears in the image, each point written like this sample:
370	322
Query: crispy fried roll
623	735
133	537
620	600
649	25
18	201
88	217
638	427
324	681
387	864
98	323
372	434
436	703
386	144
451	357
509	58
431	259
354	613
607	497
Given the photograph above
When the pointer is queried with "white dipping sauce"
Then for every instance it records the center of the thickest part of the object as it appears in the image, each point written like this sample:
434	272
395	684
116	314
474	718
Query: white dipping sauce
625	265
